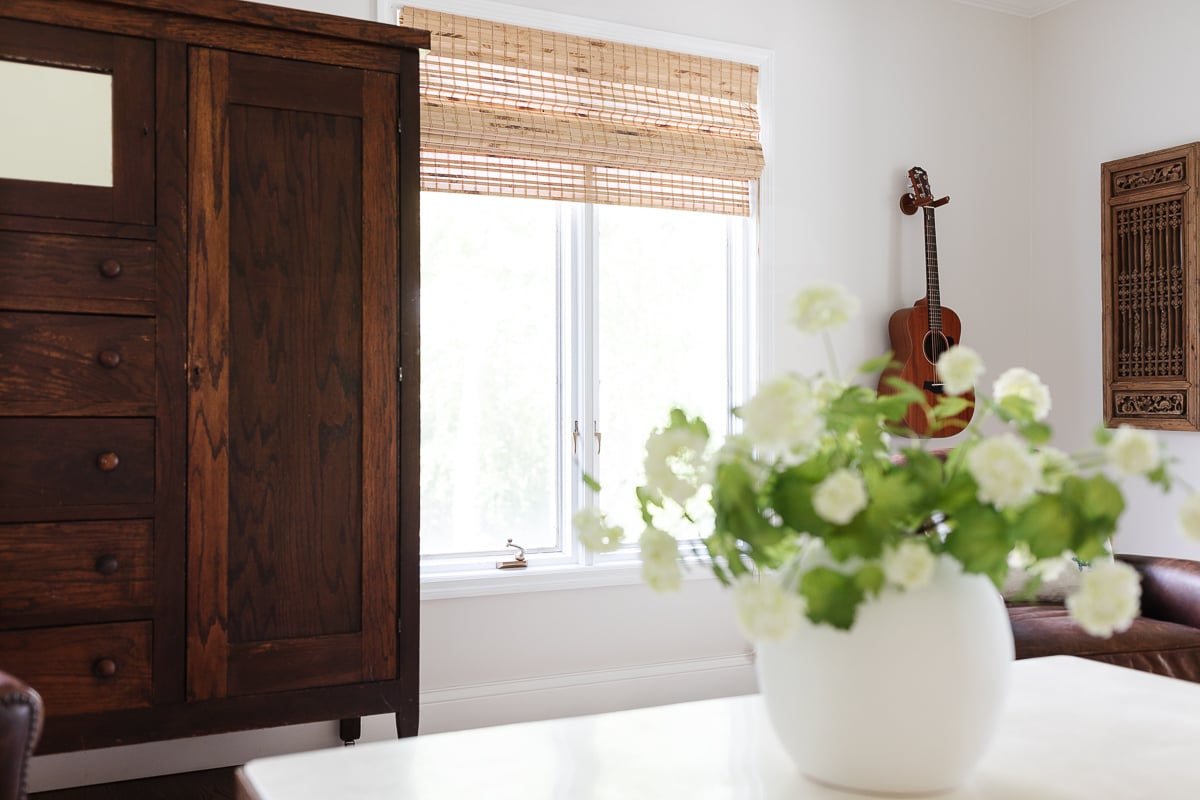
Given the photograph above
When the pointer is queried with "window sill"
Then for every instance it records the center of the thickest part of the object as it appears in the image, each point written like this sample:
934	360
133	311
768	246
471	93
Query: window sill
547	578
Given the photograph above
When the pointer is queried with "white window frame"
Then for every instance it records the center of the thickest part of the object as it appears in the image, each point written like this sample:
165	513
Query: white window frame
454	577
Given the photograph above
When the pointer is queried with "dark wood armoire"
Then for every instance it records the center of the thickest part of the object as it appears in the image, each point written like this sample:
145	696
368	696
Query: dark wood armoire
209	374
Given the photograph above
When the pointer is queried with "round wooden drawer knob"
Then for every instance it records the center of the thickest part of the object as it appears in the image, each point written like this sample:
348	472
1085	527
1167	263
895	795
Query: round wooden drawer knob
107	462
110	268
107	565
109	358
104	668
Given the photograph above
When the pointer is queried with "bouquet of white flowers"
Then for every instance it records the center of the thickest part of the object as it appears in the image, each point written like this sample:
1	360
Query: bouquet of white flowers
811	511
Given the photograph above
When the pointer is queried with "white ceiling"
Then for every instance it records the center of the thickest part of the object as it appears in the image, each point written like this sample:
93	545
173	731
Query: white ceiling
1022	8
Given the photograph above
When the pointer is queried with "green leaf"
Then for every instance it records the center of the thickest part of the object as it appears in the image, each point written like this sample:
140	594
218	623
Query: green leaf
719	571
1046	524
893	494
832	597
959	492
739	518
925	470
980	541
862	537
901	391
1160	476
1015	409
877	364
791	499
594	485
1095	546
679	419
648	497
948	406
1035	432
1102	435
1096	498
870	579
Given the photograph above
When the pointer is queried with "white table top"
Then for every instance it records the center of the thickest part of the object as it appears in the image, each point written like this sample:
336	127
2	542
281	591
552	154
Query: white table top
1073	730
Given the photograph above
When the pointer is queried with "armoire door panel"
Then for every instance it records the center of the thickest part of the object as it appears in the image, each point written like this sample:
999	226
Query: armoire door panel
294	358
295	316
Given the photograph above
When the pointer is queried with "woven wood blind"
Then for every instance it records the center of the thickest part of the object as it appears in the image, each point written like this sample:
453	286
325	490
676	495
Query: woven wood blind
521	112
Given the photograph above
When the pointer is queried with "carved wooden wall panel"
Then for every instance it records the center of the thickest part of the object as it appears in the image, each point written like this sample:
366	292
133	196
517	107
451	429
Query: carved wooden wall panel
1150	296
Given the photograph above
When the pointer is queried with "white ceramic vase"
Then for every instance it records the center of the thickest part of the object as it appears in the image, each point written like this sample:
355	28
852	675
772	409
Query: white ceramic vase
907	701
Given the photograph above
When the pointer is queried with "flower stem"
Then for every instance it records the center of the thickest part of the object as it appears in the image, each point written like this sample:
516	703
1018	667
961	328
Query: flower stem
831	356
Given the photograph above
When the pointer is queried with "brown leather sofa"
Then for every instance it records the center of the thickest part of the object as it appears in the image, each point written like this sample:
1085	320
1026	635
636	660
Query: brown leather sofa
1164	640
20	728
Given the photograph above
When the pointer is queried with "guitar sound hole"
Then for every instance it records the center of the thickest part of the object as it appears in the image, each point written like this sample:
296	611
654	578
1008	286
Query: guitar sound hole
935	344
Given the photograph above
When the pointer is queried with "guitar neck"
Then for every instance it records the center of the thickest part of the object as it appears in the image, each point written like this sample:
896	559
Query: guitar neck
932	291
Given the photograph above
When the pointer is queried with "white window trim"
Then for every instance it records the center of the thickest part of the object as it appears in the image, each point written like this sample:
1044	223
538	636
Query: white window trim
761	284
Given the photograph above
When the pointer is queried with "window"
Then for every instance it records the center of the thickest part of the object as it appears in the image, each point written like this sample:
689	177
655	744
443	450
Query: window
555	336
589	259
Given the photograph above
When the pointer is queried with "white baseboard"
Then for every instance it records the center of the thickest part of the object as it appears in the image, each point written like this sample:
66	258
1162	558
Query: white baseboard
569	694
447	709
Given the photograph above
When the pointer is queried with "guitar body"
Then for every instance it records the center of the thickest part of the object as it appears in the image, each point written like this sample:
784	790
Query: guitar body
915	350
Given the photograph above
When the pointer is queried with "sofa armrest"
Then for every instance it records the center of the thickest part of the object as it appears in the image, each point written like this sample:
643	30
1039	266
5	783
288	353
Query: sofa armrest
20	727
1170	588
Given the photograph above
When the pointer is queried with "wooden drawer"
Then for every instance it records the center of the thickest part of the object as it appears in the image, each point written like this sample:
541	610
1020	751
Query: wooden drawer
76	364
81	669
43	272
76	569
59	463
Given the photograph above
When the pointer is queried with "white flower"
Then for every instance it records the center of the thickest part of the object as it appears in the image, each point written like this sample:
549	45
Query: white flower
910	565
1132	452
1020	382
959	368
766	610
660	560
595	534
826	390
824	306
675	462
1189	517
1006	472
1055	467
840	496
1107	600
783	417
1021	558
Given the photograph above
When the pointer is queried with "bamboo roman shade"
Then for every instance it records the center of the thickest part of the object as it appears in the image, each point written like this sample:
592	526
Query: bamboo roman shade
521	112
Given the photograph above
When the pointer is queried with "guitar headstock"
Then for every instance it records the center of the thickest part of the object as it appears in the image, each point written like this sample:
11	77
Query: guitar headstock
921	195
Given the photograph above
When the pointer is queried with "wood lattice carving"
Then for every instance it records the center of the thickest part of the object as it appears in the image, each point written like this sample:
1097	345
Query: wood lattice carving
1150	276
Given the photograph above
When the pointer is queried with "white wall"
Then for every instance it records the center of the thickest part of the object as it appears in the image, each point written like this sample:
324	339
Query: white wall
865	89
1113	79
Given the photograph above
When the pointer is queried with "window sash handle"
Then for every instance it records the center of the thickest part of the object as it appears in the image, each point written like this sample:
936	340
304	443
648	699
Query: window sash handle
575	434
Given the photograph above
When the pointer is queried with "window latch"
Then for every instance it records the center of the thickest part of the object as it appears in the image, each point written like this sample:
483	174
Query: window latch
575	439
596	428
516	563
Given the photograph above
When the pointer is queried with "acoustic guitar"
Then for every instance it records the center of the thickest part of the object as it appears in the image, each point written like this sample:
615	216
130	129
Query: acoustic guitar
922	333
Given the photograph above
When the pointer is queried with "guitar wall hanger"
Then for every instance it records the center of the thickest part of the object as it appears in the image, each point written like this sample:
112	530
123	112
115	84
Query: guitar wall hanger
909	202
